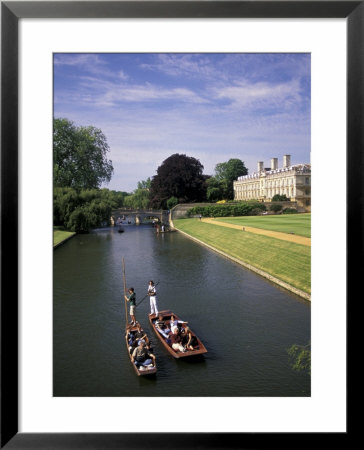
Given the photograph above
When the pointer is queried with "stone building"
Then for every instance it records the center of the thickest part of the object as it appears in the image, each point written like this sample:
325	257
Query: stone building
293	181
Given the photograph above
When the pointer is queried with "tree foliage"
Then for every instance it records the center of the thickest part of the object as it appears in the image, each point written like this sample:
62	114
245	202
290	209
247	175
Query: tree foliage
227	172
145	184
290	211
172	202
275	207
300	357
215	189
178	176
80	211
80	156
139	198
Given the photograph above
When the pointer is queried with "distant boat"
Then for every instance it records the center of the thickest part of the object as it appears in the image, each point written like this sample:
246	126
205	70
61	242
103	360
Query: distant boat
199	348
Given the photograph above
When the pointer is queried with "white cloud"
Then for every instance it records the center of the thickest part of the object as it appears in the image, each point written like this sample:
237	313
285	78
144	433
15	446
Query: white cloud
262	95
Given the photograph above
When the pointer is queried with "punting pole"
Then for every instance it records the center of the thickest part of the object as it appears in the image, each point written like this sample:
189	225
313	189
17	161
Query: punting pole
126	308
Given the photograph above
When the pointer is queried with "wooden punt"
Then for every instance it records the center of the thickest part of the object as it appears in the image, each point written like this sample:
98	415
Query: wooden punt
139	371
199	348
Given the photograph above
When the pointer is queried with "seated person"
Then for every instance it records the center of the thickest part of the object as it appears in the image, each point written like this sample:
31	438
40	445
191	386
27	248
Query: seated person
161	326
141	356
174	323
176	341
136	336
160	323
188	340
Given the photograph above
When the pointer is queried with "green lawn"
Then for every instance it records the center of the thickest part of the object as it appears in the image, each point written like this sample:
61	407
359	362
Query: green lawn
284	260
60	235
299	224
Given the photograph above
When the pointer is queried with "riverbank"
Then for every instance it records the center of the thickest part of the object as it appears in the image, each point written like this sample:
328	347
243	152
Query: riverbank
60	236
283	262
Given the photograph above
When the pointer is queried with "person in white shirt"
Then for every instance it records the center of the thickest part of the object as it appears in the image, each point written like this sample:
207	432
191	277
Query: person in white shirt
173	324
152	298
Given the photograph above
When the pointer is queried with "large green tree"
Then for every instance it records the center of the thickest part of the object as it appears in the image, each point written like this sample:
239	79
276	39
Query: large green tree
227	172
215	189
179	176
79	156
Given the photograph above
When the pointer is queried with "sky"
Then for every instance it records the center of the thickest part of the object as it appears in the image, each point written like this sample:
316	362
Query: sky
212	107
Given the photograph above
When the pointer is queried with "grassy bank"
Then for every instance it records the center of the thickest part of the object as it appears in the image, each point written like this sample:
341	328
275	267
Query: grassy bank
59	235
287	261
299	224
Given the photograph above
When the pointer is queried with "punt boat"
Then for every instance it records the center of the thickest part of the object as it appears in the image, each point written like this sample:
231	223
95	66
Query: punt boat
198	349
141	370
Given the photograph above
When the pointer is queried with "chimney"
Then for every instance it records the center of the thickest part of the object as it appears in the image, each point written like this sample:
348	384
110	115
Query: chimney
274	163
286	161
260	166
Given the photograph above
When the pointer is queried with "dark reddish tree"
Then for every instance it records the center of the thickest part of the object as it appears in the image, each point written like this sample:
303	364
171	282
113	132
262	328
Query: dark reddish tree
178	176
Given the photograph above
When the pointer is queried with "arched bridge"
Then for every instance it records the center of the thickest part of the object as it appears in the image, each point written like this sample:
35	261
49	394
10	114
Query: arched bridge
137	216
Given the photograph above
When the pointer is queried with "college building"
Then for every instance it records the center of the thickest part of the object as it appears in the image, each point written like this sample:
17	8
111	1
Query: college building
263	185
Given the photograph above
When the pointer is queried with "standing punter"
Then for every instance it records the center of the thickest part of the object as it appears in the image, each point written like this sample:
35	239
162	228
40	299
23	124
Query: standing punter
153	298
132	299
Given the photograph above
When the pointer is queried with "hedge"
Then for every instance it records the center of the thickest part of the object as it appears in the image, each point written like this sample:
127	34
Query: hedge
241	209
290	211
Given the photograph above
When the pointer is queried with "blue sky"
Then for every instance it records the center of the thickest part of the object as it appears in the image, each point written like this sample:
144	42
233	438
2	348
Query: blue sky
210	106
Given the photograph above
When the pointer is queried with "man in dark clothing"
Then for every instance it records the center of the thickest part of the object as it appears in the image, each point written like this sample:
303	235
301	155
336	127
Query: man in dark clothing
136	336
141	355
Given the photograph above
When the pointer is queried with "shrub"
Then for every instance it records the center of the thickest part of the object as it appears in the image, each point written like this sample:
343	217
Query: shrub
300	357
275	208
290	211
280	198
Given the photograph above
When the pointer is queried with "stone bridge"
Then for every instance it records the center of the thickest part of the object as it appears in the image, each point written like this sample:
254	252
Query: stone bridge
137	216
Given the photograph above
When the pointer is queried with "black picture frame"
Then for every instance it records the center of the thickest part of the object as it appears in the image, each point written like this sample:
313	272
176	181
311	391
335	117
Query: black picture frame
11	12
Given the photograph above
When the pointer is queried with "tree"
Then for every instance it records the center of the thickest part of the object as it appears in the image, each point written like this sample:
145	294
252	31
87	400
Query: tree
80	156
81	210
227	173
140	196
114	198
65	201
179	176
215	189
145	184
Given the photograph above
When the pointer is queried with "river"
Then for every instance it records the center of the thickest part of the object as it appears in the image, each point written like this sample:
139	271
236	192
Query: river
246	322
